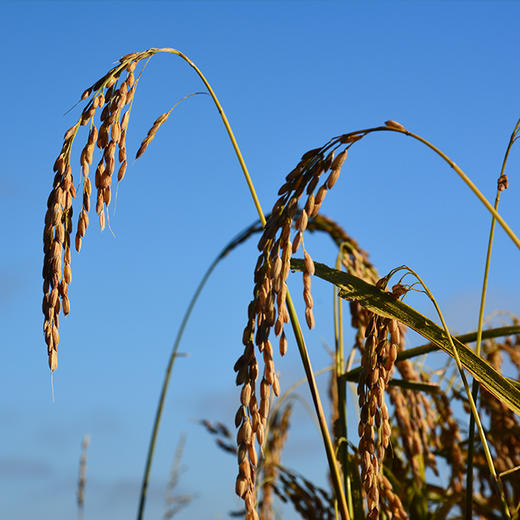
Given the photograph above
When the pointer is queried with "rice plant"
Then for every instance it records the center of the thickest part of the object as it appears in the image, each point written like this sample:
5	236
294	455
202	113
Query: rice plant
408	429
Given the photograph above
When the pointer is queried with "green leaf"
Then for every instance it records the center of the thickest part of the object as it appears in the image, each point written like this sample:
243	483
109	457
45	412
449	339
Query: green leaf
384	304
409	353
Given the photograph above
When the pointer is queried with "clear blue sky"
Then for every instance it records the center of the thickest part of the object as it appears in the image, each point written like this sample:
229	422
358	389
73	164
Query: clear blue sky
290	75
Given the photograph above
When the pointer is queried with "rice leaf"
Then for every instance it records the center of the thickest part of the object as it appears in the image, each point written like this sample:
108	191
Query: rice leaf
384	304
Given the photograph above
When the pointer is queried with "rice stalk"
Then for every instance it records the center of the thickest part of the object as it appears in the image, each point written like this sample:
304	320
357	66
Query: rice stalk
115	97
502	184
374	315
505	396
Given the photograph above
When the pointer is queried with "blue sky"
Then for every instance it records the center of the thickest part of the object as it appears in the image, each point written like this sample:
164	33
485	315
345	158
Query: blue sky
289	75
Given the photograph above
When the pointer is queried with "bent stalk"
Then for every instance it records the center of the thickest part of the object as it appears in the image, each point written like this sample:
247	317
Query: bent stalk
292	313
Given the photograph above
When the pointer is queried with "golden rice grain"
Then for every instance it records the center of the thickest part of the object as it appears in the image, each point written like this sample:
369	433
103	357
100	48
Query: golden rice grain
320	195
53	360
143	147
394	124
81	227
260	435
333	177
125	119
116	132
107	195
309	317
297	242
105	113
309	263
87	115
310	154
245	395
301	223
241	486
99	201
105	180
309	205
283	344
276	386
307	296
66	305
110	83
87	187
130	94
121	172
59	233
67	273
103	135
59	164
70	132
251	452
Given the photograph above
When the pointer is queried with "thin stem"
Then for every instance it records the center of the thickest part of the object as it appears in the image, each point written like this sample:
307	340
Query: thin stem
228	129
457	169
336	480
472	187
292	312
340	432
475	386
471	401
164	389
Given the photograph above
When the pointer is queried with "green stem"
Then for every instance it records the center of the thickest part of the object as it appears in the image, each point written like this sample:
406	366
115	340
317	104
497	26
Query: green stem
472	187
164	390
340	431
329	449
228	128
475	387
457	169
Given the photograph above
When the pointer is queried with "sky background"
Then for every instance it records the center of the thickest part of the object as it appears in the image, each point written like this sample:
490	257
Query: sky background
289	75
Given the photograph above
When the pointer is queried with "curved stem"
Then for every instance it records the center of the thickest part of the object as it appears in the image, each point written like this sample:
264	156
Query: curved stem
164	390
292	312
471	401
472	187
228	128
241	237
457	169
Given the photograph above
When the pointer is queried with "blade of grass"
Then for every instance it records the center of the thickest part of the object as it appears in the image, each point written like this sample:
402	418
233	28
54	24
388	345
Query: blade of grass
381	303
